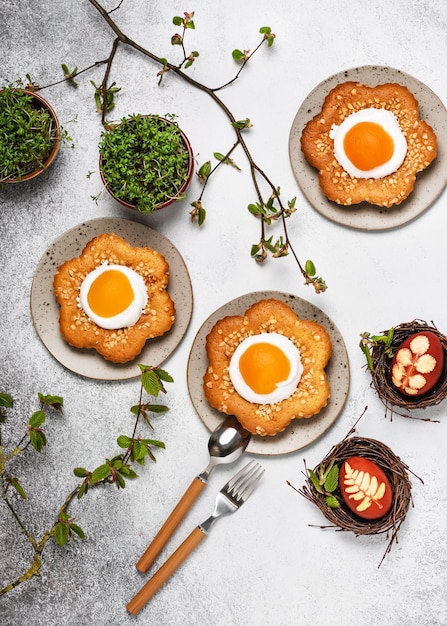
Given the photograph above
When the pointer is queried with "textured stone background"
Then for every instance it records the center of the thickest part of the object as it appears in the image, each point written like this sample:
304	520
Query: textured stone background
265	565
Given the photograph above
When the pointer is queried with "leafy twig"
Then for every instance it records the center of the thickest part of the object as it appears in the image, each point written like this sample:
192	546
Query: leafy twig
114	471
269	209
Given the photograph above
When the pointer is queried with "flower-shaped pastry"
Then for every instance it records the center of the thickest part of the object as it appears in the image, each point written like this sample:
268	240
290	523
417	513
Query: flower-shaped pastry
268	338
138	278
348	99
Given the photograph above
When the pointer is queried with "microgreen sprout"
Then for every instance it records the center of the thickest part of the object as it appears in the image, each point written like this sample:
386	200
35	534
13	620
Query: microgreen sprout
145	161
28	133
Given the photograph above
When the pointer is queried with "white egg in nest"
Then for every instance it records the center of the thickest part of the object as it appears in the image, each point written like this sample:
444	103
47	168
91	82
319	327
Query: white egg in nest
369	143
266	368
113	296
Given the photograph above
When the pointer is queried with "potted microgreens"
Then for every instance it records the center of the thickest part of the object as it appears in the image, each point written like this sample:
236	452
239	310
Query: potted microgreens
30	134
146	161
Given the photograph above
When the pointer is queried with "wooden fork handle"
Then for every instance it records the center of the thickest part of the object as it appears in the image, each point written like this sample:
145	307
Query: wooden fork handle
165	571
168	528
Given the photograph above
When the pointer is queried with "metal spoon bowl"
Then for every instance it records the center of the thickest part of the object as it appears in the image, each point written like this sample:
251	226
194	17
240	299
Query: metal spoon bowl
226	444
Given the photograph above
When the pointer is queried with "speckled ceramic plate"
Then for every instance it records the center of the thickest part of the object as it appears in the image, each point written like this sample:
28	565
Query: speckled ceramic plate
45	309
429	184
300	433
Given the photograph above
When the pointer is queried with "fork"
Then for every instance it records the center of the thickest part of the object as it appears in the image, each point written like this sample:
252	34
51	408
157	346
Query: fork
237	490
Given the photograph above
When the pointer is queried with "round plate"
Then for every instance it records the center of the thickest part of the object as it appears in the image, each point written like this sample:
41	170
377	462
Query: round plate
300	432
45	309
429	183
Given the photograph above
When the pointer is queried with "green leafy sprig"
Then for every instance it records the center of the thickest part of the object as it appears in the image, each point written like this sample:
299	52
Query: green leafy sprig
114	471
368	342
269	205
325	481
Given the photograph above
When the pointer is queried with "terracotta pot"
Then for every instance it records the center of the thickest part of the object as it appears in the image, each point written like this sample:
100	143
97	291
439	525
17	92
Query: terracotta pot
42	103
179	192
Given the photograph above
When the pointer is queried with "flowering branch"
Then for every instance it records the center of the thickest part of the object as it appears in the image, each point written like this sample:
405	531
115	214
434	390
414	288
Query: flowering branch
267	208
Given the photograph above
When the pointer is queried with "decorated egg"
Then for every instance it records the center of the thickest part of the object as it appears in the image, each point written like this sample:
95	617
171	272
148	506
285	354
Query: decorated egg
369	143
265	368
365	488
418	364
113	296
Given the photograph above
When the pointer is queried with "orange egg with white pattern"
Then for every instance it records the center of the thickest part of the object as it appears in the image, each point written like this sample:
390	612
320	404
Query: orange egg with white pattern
418	364
369	143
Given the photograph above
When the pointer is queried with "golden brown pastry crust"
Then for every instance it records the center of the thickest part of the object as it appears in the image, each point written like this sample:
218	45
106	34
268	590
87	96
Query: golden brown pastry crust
122	345
335	182
311	339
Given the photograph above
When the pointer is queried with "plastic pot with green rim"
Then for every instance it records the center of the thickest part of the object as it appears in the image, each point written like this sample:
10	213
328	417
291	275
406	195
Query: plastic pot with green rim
146	162
30	135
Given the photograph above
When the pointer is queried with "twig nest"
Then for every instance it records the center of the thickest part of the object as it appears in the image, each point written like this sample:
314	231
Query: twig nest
333	505
389	382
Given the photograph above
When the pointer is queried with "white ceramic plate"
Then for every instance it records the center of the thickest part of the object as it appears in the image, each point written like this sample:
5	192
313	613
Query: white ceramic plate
299	433
429	183
45	309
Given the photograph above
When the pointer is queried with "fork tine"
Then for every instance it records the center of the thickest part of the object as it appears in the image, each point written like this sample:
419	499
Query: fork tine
241	486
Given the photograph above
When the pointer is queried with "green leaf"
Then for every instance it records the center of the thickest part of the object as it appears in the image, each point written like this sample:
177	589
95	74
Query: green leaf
139	450
55	402
61	533
389	337
204	170
202	216
238	55
18	487
265	30
310	268
331	482
242	124
255	209
255	250
315	481
80	472
150	383
78	530
120	482
366	351
82	490
164	375
37	419
124	442
153	442
101	473
6	400
157	408
332	502
177	20
38	439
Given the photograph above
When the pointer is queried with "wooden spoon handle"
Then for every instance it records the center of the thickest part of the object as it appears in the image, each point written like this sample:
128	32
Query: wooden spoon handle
168	528
168	568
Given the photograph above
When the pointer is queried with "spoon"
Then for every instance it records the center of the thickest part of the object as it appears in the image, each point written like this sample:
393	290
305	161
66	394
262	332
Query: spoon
226	444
